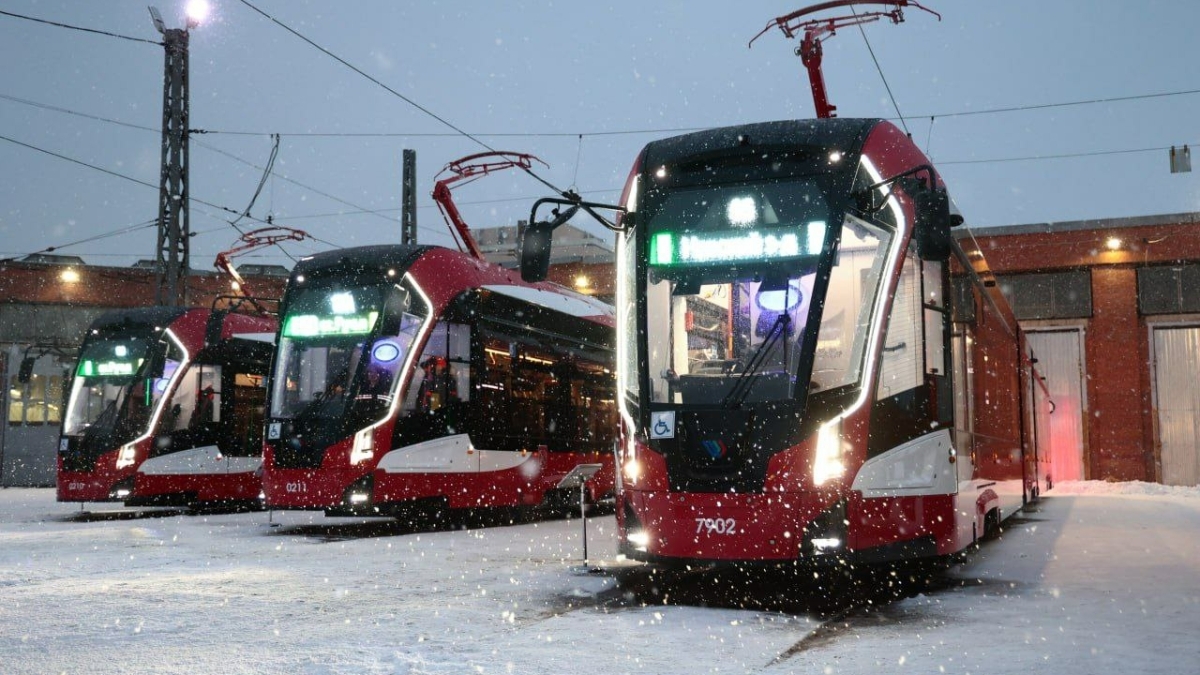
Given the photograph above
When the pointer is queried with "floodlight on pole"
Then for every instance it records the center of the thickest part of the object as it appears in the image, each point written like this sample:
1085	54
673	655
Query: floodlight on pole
197	12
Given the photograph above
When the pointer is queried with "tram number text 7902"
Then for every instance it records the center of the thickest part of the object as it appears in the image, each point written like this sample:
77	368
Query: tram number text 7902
716	526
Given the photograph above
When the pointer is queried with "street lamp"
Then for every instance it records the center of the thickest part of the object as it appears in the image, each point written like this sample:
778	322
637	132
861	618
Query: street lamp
174	230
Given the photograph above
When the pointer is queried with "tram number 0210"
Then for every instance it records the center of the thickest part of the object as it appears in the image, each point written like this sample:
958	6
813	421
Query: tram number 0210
716	526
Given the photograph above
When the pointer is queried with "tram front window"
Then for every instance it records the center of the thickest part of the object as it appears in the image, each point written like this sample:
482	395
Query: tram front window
730	283
340	354
114	392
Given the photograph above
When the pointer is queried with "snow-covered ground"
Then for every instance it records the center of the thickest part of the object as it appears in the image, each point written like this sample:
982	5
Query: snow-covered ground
1097	578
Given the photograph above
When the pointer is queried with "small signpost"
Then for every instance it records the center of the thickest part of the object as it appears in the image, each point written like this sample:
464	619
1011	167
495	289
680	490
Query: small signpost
578	478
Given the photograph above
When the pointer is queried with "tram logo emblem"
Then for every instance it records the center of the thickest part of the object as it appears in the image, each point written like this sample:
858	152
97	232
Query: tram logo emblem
715	449
662	424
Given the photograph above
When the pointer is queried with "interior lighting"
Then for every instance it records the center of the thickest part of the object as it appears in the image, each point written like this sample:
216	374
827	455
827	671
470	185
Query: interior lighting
741	211
341	303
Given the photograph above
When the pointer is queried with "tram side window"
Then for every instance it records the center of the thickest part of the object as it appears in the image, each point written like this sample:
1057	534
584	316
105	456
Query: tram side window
244	435
531	395
194	411
902	366
435	402
846	316
582	412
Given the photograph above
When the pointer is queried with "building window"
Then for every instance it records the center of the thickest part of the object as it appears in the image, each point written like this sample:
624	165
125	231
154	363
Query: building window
1169	289
36	402
1051	295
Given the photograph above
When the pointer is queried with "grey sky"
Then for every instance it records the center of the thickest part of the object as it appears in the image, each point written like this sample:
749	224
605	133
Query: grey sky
566	68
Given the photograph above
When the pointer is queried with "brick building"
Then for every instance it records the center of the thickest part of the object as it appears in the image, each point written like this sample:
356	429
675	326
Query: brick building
46	305
1112	308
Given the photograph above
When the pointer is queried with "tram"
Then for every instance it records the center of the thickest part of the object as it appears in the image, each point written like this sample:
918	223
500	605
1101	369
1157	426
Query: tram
810	366
166	408
412	377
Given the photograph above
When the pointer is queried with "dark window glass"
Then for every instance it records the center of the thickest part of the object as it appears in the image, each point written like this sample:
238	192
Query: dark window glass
1050	295
1173	289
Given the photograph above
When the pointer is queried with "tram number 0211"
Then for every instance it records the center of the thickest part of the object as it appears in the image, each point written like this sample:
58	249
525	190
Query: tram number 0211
716	526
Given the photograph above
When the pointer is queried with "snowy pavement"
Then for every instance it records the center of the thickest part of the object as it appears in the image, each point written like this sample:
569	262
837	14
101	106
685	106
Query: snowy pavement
1098	578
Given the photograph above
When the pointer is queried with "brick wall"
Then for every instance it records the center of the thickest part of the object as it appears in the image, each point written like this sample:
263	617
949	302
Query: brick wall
1120	421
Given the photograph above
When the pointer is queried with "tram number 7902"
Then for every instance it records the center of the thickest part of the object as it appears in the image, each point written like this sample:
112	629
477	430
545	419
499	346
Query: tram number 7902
716	526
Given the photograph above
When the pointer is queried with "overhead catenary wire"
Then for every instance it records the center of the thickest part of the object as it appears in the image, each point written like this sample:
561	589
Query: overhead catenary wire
79	28
406	99
883	77
361	209
130	178
104	235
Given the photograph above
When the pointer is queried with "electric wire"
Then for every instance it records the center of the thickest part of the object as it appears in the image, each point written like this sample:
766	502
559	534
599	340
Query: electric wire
261	182
132	179
46	106
294	182
605	133
1070	155
79	28
104	235
528	170
879	68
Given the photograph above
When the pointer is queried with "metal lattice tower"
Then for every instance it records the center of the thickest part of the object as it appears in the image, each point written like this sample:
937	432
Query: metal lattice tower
174	230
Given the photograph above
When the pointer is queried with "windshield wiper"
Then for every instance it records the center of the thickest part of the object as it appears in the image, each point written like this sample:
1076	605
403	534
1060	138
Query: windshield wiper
741	389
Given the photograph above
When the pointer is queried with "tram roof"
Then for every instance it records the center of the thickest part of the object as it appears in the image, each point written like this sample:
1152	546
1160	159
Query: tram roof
844	134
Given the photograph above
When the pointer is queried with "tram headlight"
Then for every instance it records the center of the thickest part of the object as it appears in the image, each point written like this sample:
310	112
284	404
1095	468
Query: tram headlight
632	470
639	539
828	463
127	456
364	446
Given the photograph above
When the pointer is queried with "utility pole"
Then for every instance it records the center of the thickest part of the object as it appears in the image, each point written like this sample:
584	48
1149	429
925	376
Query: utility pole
408	198
174	229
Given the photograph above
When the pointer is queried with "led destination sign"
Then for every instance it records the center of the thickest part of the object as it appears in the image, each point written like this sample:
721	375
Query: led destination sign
90	368
312	325
726	246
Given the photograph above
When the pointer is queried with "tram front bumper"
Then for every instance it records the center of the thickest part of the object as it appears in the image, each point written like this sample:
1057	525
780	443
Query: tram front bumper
712	527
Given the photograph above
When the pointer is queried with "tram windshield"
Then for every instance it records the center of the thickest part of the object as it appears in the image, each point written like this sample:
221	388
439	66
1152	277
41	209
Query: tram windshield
116	388
732	273
340	353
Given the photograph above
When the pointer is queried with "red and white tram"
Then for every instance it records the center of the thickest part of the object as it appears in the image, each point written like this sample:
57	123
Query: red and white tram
810	367
415	376
166	409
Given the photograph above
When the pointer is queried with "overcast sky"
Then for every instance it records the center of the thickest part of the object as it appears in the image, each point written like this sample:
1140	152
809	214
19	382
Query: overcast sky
581	85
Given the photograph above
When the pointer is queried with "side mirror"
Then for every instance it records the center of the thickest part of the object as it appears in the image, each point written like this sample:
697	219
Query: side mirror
934	221
535	251
25	372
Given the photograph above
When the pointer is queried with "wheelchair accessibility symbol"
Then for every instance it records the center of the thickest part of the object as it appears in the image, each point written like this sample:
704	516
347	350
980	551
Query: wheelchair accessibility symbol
662	424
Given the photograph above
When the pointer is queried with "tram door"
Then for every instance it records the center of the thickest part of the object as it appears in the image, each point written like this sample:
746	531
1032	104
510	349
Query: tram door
1177	393
1060	428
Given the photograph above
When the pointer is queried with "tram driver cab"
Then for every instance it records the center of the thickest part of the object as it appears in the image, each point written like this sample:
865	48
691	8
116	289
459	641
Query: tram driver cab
744	323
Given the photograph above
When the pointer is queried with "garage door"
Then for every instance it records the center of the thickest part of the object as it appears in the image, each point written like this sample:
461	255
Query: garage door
1177	394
